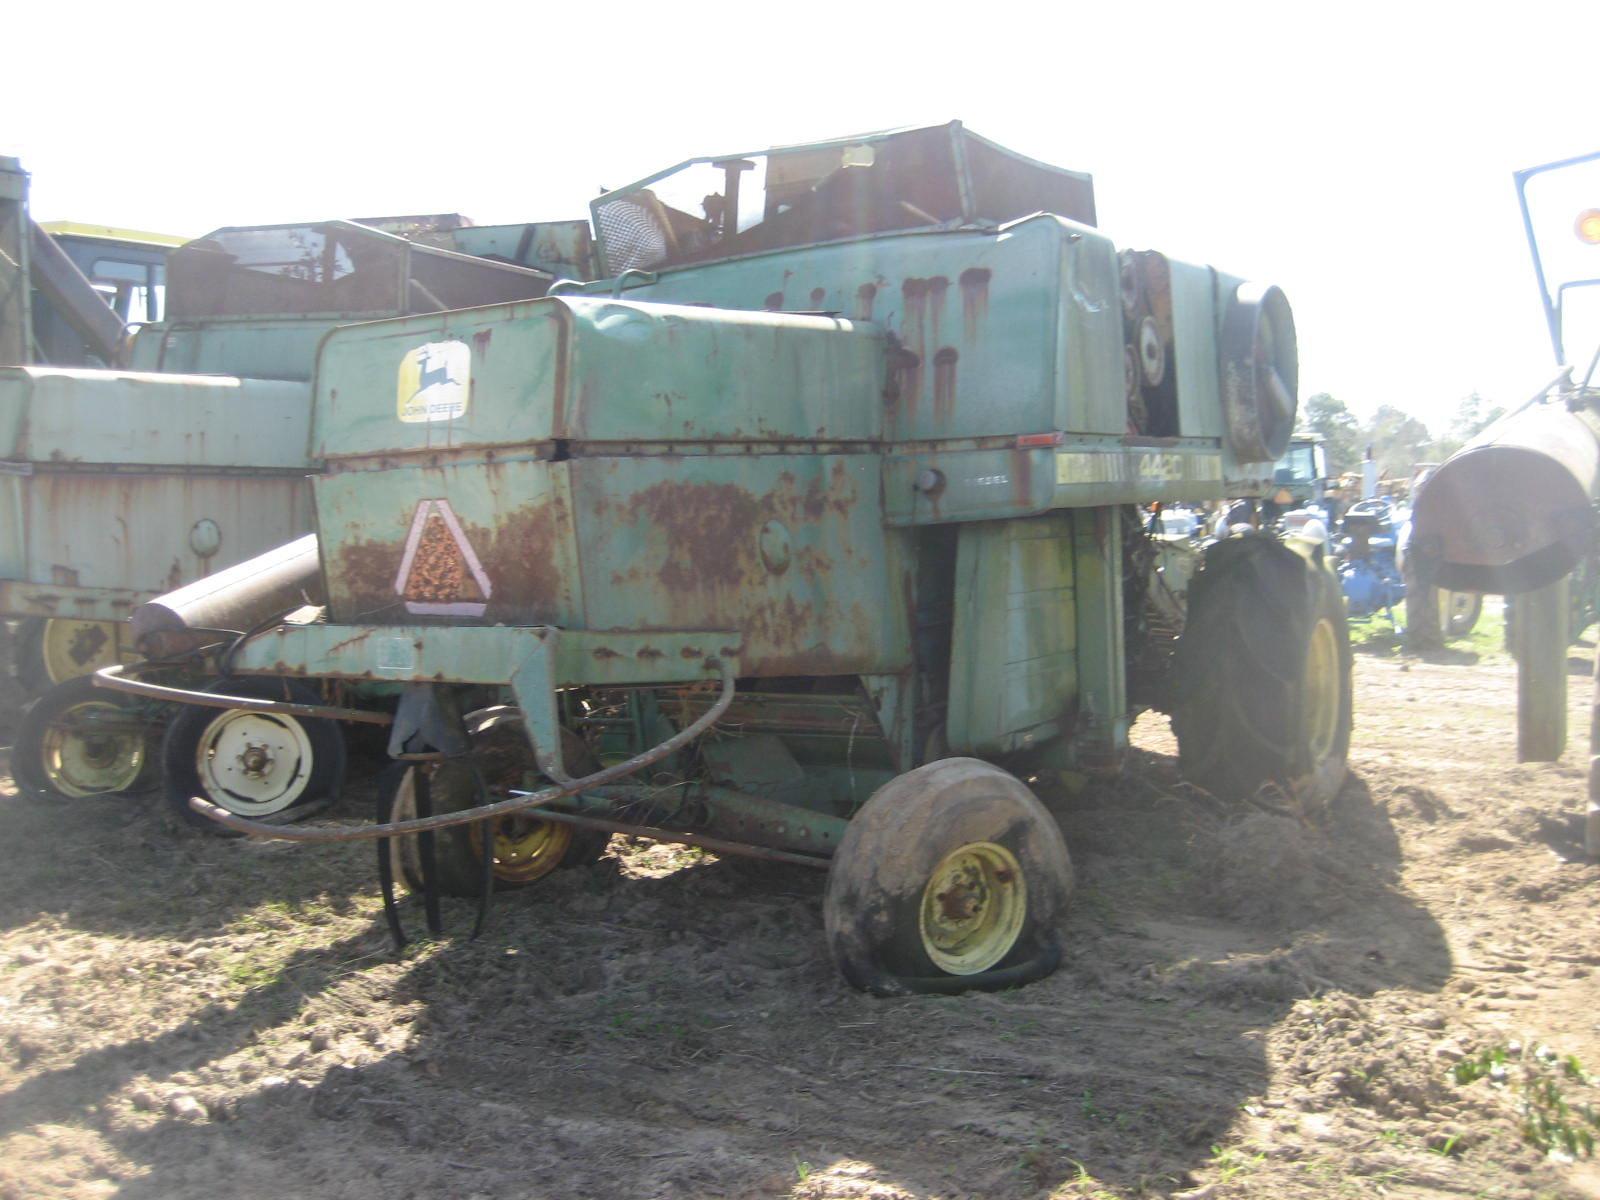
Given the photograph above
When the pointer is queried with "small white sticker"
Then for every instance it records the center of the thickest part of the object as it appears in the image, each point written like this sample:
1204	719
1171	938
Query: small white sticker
435	382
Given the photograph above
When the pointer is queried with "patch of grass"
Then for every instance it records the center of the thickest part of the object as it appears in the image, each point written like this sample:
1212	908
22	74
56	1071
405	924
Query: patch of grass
1487	639
1548	1119
1229	1162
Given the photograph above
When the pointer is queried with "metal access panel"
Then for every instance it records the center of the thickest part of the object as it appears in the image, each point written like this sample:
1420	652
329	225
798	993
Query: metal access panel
1014	656
585	370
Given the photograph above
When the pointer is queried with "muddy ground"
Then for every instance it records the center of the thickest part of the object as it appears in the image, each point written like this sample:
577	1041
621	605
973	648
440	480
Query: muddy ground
1251	1006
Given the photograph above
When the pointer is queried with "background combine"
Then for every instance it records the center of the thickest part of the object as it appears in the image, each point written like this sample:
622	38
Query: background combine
182	449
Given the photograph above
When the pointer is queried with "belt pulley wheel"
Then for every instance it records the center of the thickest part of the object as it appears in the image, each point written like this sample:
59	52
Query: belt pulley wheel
254	763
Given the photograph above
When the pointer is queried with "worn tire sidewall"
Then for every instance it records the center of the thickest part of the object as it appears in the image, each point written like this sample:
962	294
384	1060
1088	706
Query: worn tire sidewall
872	907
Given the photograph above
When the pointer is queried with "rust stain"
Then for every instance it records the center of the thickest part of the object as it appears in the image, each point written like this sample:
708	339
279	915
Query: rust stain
865	295
709	528
774	302
480	342
944	382
521	555
1022	477
913	319
354	640
938	289
818	296
974	301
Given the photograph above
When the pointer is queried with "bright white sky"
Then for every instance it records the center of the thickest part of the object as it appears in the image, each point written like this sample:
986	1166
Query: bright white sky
1358	154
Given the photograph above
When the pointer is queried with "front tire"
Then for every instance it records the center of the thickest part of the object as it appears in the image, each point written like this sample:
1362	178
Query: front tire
1263	675
952	876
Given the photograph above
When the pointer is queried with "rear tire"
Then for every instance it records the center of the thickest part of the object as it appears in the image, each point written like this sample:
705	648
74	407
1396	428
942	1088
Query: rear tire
526	848
1262	675
952	876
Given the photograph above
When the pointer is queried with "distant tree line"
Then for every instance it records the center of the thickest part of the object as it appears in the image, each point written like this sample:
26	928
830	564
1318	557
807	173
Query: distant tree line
1399	441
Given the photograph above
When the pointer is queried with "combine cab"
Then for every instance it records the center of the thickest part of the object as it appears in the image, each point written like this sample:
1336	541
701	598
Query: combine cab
807	535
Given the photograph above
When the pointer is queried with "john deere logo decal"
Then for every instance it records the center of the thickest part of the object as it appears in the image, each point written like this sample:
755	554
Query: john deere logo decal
435	382
440	574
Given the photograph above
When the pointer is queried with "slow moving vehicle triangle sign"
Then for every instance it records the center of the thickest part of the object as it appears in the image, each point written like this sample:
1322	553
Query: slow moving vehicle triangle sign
440	575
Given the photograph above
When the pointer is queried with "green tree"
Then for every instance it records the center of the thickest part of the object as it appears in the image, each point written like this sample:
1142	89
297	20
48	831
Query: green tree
1474	414
1399	441
1336	425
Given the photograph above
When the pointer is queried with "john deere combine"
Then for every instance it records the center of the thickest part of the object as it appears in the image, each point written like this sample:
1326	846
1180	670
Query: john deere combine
825	508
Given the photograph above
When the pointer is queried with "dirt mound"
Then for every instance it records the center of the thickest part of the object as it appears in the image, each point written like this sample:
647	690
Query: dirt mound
1276	873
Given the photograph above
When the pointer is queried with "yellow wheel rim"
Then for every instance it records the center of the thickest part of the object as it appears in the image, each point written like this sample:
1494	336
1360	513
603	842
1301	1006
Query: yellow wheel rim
1322	692
973	908
525	849
74	648
84	753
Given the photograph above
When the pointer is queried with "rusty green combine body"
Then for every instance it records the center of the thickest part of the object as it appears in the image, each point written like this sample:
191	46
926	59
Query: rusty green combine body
846	471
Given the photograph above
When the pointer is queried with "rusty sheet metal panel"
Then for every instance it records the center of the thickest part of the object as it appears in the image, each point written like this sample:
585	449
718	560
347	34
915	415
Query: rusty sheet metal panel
460	541
57	415
148	532
1513	509
1011	332
139	482
789	550
590	370
653	372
